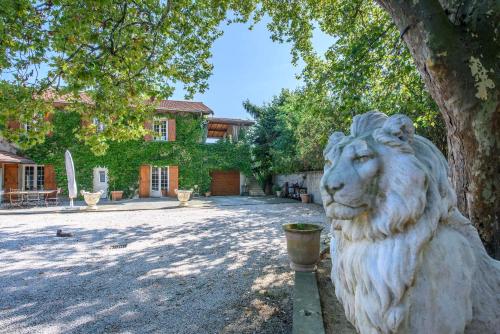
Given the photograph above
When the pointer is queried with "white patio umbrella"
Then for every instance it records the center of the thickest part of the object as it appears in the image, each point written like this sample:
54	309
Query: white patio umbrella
70	172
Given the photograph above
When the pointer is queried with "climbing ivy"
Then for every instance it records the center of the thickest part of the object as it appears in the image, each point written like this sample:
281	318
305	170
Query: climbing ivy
123	159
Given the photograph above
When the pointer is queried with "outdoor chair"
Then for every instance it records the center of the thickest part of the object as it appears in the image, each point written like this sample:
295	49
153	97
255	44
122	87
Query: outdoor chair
32	198
15	200
53	198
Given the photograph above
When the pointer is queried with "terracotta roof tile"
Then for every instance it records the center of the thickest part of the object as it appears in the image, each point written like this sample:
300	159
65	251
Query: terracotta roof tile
186	106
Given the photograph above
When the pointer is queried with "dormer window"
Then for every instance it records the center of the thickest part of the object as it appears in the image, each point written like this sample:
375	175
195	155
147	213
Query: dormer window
160	129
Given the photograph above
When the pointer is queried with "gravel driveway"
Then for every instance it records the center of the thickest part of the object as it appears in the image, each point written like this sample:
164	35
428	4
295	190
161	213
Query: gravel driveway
221	269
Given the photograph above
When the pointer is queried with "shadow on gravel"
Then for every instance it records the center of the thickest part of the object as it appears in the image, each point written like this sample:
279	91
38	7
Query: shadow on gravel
223	274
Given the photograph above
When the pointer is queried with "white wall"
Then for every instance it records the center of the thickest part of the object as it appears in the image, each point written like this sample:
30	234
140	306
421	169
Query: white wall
311	181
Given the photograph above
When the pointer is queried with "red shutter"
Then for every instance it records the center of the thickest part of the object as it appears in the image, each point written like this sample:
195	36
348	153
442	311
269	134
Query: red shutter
148	125
173	180
171	129
49	177
144	180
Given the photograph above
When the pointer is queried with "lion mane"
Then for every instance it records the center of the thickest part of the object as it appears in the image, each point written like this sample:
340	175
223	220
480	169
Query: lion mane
404	260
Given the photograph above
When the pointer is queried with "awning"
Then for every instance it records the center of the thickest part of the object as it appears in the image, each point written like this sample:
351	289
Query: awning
11	158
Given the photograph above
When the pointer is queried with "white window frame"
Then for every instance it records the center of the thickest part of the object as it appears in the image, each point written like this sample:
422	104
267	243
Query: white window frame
157	134
35	176
159	179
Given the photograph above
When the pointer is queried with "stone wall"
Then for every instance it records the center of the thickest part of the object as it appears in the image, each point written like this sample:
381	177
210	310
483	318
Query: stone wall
311	181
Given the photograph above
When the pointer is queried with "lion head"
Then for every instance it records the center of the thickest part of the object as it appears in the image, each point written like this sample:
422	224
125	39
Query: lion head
385	190
378	180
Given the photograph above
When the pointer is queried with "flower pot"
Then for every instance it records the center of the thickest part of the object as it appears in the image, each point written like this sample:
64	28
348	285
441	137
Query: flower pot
91	199
306	198
208	194
116	195
278	193
183	196
302	244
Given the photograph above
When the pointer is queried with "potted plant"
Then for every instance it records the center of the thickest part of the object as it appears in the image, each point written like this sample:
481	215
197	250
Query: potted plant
116	195
306	198
277	189
302	243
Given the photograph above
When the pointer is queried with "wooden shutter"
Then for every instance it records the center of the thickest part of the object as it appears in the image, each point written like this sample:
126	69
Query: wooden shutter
173	180
144	180
171	129
148	125
49	178
14	125
11	176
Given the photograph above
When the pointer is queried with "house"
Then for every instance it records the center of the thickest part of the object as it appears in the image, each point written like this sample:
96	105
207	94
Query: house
153	179
20	172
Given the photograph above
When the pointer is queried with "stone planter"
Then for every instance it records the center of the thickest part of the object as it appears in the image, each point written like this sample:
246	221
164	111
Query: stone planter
208	194
183	196
116	195
278	193
91	199
306	198
302	244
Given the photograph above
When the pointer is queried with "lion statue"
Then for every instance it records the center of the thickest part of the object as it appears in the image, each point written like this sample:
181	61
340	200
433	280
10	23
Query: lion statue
404	260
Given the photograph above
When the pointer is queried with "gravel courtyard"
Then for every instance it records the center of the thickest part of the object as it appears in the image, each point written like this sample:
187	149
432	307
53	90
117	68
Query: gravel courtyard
216	269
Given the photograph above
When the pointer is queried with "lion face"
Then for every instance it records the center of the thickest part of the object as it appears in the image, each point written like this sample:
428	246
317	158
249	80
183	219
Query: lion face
349	183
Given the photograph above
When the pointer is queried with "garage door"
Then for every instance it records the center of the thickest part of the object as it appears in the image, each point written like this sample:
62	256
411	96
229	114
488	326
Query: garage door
225	183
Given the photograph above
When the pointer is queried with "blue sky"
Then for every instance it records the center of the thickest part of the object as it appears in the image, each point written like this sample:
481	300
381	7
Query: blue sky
249	65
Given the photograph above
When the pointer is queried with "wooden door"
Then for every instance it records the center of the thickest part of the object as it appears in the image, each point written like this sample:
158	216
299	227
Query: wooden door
144	180
11	177
49	178
225	183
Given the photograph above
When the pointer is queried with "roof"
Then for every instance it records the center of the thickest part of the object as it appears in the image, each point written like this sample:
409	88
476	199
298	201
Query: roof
165	105
230	121
184	106
7	157
218	127
65	99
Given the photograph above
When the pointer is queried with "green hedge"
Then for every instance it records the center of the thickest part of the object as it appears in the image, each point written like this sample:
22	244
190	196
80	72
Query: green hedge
195	159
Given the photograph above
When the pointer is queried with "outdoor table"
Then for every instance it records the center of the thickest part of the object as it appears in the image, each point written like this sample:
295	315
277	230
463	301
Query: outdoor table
24	193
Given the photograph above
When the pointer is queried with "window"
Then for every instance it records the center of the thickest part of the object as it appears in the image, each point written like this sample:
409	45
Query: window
160	128
33	177
155	179
40	177
102	176
29	177
98	124
164	179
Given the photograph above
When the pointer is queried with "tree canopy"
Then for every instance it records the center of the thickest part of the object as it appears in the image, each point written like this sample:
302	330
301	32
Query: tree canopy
122	53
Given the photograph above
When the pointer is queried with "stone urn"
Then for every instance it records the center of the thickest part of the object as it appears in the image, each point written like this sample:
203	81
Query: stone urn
278	193
116	195
183	196
302	244
91	199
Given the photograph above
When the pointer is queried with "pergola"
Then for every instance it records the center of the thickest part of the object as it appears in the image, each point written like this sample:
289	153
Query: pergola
222	127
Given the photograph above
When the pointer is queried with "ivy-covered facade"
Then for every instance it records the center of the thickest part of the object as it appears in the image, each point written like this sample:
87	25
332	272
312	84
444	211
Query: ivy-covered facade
184	163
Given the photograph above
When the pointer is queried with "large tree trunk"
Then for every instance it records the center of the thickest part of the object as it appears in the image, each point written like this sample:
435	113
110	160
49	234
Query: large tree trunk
456	47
